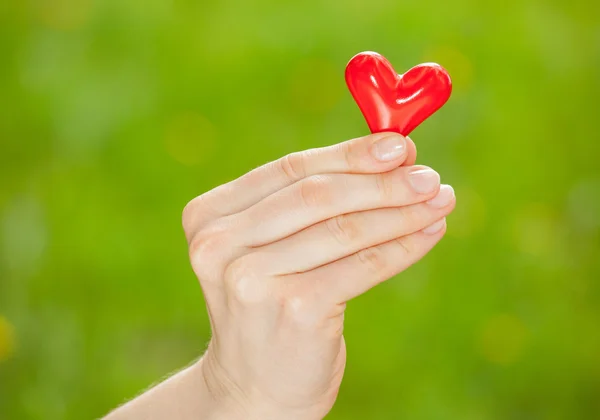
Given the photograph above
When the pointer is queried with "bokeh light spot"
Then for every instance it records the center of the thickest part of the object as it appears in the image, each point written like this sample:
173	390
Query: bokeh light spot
584	205
502	339
64	15
7	339
537	232
190	138
23	234
316	85
458	65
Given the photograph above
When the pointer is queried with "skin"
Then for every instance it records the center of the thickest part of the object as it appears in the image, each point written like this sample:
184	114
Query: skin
278	253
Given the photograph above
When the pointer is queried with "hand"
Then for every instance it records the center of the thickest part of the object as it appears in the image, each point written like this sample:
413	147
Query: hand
280	251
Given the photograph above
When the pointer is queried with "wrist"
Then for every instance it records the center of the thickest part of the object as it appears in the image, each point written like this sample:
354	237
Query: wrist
218	397
226	401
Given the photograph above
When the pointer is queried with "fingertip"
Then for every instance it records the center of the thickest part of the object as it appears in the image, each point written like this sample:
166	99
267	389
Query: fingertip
443	198
411	152
436	228
388	147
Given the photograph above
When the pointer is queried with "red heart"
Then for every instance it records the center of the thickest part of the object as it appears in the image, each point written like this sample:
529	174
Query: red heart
396	102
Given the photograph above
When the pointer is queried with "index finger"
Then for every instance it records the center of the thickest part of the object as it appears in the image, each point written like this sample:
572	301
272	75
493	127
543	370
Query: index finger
374	153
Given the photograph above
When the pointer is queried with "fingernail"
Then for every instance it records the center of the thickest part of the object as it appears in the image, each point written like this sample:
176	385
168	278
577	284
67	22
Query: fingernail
443	198
388	148
424	181
435	228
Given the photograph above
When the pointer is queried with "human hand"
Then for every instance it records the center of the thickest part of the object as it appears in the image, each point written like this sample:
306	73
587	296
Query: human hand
280	251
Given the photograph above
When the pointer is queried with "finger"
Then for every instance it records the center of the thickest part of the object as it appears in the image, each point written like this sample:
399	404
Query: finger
369	154
352	276
347	234
322	197
411	151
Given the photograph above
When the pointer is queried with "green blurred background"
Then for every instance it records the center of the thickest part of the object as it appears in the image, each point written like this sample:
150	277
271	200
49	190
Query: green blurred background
113	114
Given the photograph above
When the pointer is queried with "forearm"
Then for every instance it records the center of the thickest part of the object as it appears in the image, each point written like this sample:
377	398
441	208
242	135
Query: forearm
196	393
183	396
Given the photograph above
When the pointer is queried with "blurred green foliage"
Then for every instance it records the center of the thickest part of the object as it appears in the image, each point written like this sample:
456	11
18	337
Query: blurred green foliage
113	114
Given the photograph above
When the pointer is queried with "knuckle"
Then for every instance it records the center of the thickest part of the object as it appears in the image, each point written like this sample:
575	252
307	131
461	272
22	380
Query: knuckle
301	313
412	215
373	259
385	187
293	166
188	215
203	253
240	267
208	244
404	246
196	213
344	228
347	150
242	281
316	191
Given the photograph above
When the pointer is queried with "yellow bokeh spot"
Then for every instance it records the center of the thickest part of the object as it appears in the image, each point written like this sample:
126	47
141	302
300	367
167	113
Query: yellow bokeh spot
190	138
7	339
64	14
316	85
458	65
502	339
536	232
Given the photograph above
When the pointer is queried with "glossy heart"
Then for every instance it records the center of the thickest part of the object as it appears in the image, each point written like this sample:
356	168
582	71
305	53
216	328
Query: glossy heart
396	102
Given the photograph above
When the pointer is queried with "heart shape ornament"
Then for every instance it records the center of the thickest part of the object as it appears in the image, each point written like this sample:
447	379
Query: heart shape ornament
396	102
